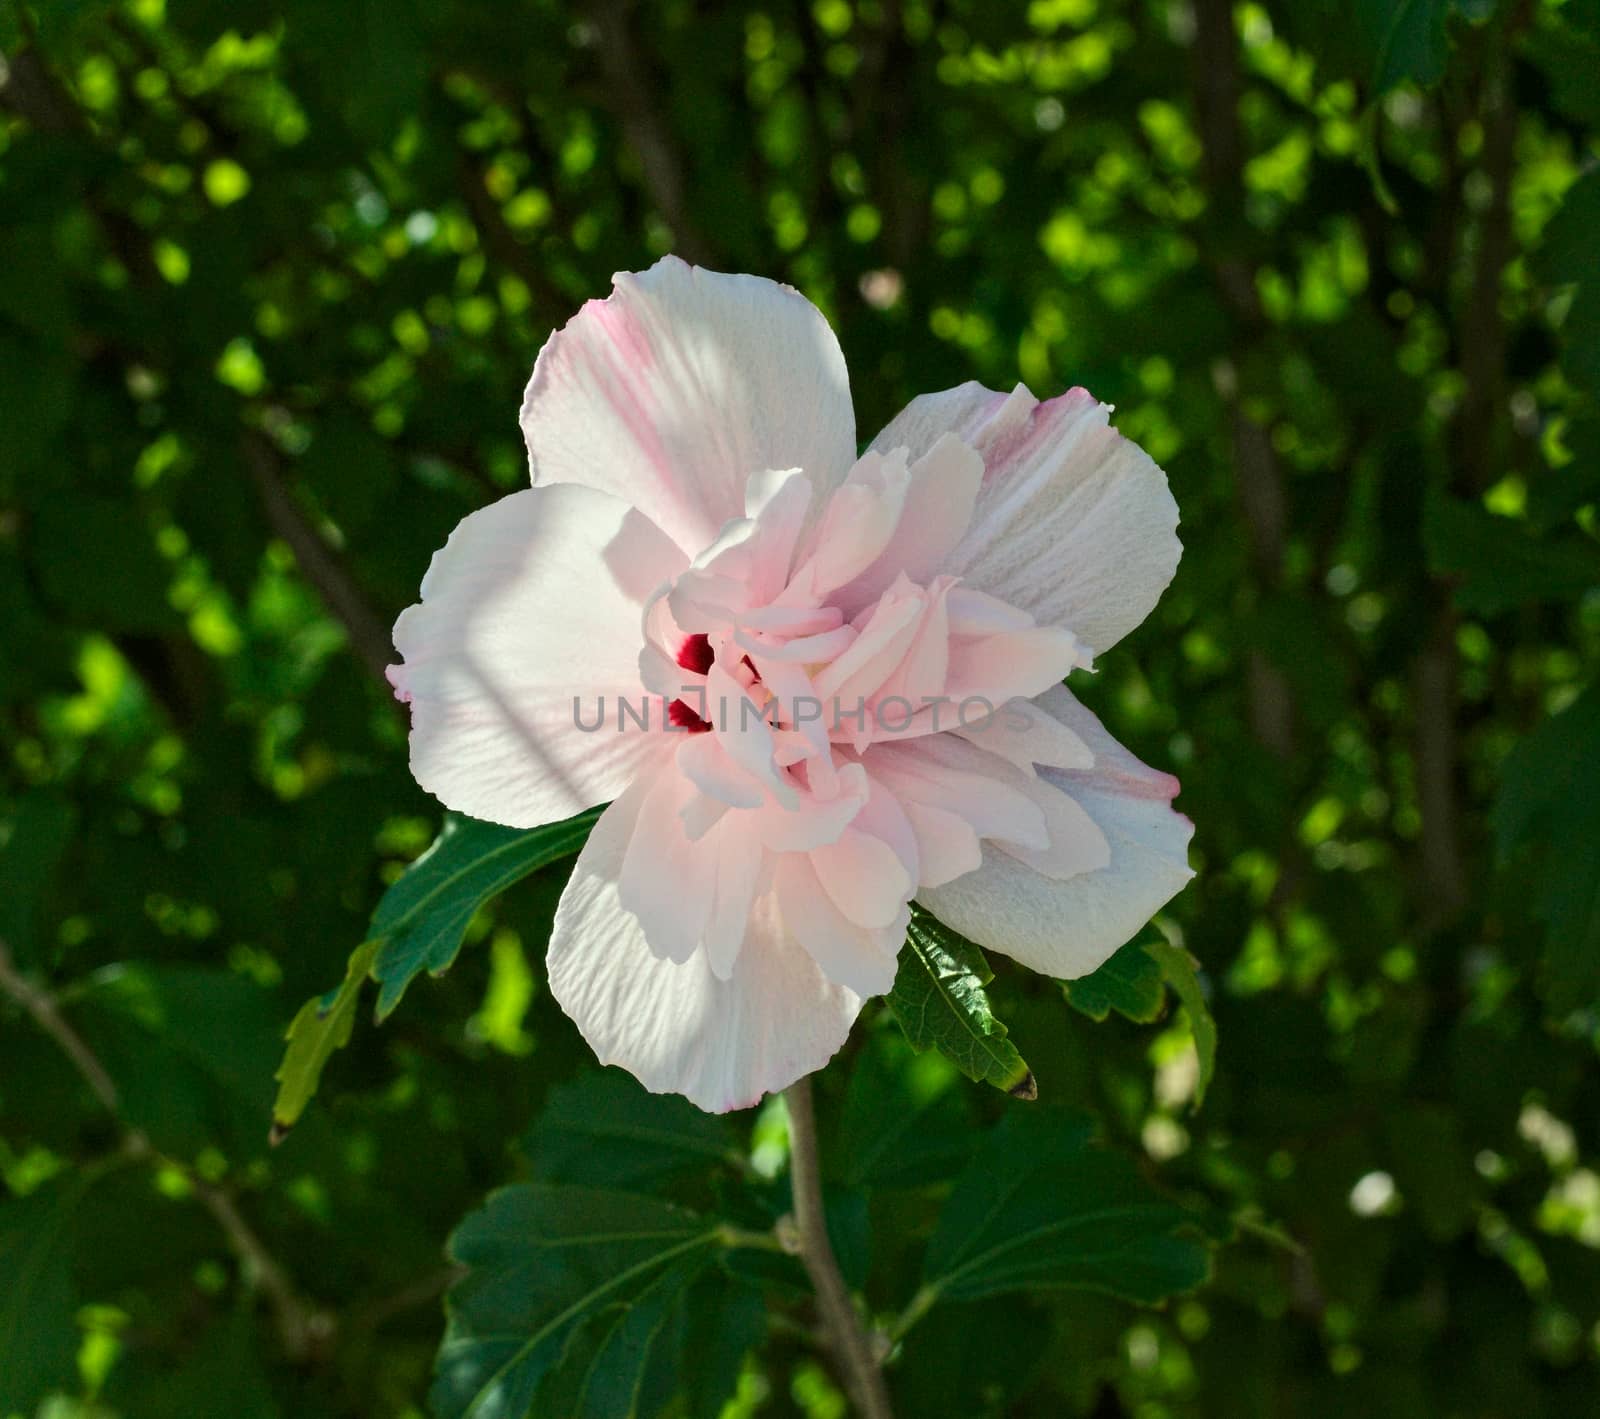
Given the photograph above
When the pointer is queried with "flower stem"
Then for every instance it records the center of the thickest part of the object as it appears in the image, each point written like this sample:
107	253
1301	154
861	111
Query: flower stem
851	1345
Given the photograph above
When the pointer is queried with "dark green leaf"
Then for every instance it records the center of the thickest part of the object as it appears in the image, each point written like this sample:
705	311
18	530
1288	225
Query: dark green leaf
904	1124
603	1373
723	1320
545	1263
423	917
37	1337
1412	45
1567	255
1500	563
322	1026
192	1050
96	560
1549	806
939	1000
1412	40
30	851
608	1130
1045	1207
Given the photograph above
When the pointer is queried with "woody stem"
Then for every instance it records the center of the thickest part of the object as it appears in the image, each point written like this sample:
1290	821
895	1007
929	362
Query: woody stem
851	1345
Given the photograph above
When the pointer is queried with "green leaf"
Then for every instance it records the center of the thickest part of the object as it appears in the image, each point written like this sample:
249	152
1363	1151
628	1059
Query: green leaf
322	1026
603	1374
1129	983
723	1320
549	1268
905	1121
1181	971
422	918
1566	255
192	1050
1500	563
1045	1207
30	851
1412	44
38	1340
222	1373
96	560
1549	806
939	1000
608	1130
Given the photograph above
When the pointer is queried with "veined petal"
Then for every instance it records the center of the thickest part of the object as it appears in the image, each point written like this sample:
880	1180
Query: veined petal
679	385
677	1028
1077	844
1068	928
1073	522
534	603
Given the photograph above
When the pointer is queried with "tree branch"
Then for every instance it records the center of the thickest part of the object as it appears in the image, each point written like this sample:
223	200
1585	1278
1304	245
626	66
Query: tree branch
1477	448
851	1346
635	98
319	563
301	1325
1263	499
41	1006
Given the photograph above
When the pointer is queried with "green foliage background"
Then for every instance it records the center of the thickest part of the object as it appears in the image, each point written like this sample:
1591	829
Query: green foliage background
271	278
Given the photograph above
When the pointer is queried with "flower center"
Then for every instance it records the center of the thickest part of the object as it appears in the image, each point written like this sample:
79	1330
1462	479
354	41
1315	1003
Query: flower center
697	655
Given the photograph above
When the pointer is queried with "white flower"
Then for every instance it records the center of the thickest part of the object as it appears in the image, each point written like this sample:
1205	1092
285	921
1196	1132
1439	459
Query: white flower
793	654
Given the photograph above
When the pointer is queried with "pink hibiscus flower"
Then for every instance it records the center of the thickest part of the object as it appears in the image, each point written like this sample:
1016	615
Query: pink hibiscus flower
817	686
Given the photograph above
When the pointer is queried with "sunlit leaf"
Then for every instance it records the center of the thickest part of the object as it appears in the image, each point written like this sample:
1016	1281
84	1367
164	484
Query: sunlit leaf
1129	983
322	1026
1181	971
939	1000
422	918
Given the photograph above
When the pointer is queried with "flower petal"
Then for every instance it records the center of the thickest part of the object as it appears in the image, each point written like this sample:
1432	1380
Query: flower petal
1023	734
668	881
939	497
532	605
1068	928
676	1027
681	384
859	957
943	772
1073	522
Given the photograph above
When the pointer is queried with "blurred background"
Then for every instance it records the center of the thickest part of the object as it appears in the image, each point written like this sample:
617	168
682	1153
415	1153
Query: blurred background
272	276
